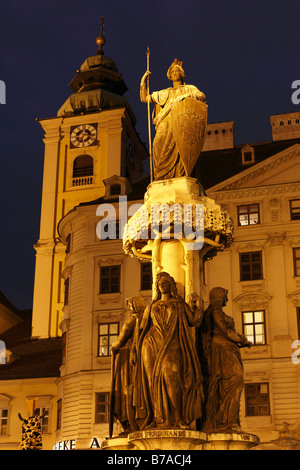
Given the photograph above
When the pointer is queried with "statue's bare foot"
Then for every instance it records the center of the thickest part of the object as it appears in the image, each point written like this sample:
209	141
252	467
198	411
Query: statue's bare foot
152	425
181	425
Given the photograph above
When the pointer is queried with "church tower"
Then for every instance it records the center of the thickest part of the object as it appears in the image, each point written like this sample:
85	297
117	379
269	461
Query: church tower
92	138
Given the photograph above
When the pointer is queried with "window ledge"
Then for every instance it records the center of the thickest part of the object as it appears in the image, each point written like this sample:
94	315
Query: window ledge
114	297
258	284
145	293
103	362
82	186
256	351
258	421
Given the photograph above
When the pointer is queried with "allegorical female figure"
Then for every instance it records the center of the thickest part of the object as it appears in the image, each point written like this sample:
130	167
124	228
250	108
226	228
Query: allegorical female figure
222	366
124	349
167	161
168	392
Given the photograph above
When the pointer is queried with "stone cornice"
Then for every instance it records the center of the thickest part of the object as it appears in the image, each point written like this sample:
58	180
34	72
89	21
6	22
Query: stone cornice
295	298
259	169
255	192
253	300
264	168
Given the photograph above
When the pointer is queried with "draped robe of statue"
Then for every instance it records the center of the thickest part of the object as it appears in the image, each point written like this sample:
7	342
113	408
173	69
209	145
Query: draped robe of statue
168	392
166	159
124	368
222	366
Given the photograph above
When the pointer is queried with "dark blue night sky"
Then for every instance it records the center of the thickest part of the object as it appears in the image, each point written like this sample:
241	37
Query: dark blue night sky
244	55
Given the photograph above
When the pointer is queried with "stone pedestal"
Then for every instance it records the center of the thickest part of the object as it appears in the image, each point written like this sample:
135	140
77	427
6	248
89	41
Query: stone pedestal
177	439
230	441
117	443
167	439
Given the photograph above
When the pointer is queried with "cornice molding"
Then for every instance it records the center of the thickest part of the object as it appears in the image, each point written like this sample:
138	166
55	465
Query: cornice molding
295	298
110	260
259	169
254	192
253	300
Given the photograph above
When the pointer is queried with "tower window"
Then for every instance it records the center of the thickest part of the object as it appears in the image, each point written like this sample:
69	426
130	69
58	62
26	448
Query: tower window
83	170
3	421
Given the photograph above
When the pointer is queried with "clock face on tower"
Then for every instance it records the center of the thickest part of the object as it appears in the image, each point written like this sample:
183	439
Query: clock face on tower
83	135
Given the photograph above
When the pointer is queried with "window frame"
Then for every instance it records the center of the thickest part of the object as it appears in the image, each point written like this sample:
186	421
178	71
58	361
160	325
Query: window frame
295	259
293	212
106	403
298	321
4	427
145	274
251	263
248	151
255	323
66	292
258	406
64	347
109	277
68	246
45	421
59	414
83	171
248	213
108	335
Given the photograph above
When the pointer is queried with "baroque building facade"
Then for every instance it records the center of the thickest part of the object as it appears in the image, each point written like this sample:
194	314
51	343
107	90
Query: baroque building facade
60	359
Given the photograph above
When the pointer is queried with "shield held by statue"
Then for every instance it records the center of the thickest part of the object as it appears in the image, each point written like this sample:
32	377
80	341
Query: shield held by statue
189	119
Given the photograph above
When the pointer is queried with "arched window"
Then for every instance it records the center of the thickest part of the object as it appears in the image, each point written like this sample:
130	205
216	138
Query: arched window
83	170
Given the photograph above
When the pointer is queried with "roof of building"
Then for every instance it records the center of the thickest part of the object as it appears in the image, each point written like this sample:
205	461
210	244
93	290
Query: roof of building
38	358
212	167
6	303
30	357
216	166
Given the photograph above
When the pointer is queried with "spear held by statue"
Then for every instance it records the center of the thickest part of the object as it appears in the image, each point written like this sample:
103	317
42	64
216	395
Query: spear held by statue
149	117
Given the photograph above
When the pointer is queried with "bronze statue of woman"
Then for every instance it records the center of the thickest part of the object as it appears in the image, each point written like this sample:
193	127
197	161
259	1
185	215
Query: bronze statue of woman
123	370
222	366
168	393
167	160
